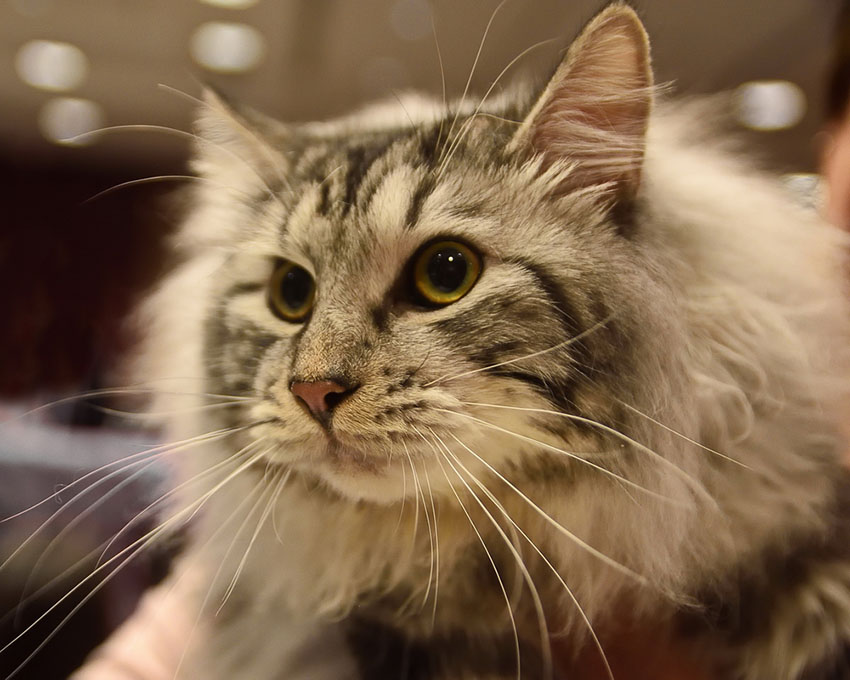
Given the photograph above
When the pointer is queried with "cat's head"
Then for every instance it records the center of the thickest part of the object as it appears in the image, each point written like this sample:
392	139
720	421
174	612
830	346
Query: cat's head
423	287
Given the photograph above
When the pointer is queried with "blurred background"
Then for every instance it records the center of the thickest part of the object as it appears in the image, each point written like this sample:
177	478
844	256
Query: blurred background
74	260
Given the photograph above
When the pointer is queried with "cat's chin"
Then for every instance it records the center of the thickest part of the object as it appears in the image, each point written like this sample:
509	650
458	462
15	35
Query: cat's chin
356	475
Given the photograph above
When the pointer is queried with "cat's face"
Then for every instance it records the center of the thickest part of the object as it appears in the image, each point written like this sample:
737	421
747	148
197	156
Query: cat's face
390	289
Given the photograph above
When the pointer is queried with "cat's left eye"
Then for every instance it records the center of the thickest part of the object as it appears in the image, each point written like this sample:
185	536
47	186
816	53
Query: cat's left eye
291	292
445	271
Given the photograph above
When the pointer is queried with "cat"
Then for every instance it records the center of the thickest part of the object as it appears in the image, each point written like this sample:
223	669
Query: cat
547	365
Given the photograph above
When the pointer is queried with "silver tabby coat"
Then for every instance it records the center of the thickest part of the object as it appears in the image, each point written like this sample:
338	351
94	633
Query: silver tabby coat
503	369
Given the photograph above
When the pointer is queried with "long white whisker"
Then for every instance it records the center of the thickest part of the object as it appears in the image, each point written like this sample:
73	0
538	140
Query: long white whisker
684	437
567	589
159	178
442	75
124	463
435	553
282	483
244	451
532	589
139	543
568	454
694	484
558	527
474	66
508	605
418	483
273	494
119	391
560	345
467	125
232	516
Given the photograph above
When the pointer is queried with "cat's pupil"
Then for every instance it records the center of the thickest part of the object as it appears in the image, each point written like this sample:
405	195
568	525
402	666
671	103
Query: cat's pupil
447	269
295	288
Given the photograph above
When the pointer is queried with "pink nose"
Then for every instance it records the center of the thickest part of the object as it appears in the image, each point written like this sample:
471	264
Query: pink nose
320	397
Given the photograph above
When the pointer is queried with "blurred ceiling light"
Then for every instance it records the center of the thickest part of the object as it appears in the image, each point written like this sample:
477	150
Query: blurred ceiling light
50	65
768	105
62	120
231	4
411	19
227	47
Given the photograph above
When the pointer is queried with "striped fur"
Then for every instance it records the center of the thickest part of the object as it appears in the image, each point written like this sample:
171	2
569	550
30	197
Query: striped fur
633	302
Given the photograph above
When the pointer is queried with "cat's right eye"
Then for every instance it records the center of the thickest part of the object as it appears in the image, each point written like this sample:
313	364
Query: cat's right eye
291	292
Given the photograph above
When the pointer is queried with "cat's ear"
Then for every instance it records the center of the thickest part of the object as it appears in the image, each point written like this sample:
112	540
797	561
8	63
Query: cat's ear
237	146
592	116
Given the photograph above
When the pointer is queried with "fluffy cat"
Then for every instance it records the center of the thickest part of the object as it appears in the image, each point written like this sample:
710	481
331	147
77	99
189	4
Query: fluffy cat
548	364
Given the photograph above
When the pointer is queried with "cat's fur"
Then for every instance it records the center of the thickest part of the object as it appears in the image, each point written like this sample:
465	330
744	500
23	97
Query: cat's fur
679	325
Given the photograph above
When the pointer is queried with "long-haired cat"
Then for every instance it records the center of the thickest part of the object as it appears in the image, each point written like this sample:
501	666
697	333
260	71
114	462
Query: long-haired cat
550	365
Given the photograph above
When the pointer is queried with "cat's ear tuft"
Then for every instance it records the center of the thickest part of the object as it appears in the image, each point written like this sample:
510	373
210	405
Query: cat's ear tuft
592	117
236	145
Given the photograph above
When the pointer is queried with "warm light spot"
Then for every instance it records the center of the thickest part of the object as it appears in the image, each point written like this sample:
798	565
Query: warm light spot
227	47
768	105
64	119
231	4
50	65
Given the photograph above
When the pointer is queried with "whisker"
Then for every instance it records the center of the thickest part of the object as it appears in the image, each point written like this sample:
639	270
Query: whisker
467	125
568	454
244	451
508	605
131	390
68	528
684	437
416	496
282	483
421	492
435	545
134	549
567	589
558	527
142	416
185	95
226	523
158	178
164	450
273	494
474	66
693	483
436	548
560	345
535	595
442	74
403	497
126	462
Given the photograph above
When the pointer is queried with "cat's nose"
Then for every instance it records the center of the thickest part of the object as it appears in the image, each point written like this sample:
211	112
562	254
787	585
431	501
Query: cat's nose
321	397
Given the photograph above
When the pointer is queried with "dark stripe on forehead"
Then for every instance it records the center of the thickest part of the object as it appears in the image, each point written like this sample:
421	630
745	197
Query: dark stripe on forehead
360	160
323	208
429	144
426	186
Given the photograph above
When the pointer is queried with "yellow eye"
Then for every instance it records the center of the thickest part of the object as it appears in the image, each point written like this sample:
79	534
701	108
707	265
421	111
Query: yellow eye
291	292
445	271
